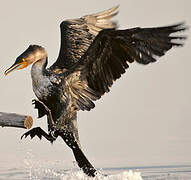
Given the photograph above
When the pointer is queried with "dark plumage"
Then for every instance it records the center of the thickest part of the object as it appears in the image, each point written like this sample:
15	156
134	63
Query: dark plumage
112	50
93	54
78	34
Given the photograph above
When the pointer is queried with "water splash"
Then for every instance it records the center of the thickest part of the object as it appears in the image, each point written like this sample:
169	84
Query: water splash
79	175
41	170
126	175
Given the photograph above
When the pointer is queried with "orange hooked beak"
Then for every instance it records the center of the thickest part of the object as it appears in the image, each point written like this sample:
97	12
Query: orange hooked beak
16	66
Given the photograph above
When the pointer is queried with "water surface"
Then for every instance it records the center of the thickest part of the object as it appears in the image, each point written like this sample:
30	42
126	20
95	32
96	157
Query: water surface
37	171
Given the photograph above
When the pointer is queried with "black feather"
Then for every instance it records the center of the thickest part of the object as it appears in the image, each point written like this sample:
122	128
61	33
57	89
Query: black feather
107	57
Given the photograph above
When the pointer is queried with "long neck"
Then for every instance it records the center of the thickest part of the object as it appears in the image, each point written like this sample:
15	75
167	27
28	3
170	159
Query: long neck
40	81
39	67
38	75
39	59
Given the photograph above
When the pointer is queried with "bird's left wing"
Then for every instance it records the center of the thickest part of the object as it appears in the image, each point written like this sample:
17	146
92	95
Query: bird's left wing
78	34
109	56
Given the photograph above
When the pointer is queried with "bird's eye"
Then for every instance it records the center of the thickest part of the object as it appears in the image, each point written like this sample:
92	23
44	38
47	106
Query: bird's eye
19	60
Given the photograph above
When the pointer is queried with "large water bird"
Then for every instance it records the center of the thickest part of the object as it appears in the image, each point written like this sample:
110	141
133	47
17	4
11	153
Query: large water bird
93	54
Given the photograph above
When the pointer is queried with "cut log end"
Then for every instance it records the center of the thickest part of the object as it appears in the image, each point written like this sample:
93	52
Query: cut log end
28	122
15	120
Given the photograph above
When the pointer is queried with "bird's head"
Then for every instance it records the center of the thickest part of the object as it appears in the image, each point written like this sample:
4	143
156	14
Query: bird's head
32	54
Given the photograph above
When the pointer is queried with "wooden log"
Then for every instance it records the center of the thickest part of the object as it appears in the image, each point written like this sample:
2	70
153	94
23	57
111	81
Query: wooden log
15	120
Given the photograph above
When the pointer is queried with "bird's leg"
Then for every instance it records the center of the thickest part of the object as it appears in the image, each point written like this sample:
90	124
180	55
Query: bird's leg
81	159
42	109
40	133
40	105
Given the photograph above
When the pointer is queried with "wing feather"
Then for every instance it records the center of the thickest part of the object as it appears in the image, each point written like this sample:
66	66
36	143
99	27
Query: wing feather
110	54
78	34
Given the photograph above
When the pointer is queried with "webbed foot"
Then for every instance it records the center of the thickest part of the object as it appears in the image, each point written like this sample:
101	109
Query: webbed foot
39	106
40	133
43	110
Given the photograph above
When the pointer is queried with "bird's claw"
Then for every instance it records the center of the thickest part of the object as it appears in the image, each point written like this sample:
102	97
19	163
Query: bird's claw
36	102
33	132
33	101
40	106
44	110
39	132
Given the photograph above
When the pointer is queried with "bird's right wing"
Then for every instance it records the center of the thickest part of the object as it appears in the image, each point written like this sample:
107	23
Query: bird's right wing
78	34
109	56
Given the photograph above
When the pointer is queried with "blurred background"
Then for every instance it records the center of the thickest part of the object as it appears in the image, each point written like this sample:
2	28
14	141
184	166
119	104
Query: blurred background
146	117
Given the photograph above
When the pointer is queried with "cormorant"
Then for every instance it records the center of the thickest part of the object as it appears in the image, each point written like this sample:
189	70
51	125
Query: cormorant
93	54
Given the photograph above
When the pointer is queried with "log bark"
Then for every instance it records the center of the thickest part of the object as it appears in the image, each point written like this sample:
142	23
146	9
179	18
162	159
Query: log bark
15	120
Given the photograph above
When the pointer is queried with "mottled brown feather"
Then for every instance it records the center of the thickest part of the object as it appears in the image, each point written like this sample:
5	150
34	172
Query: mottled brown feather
108	56
78	34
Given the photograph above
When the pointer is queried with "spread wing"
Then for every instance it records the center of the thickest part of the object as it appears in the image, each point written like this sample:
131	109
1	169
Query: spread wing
110	54
78	34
